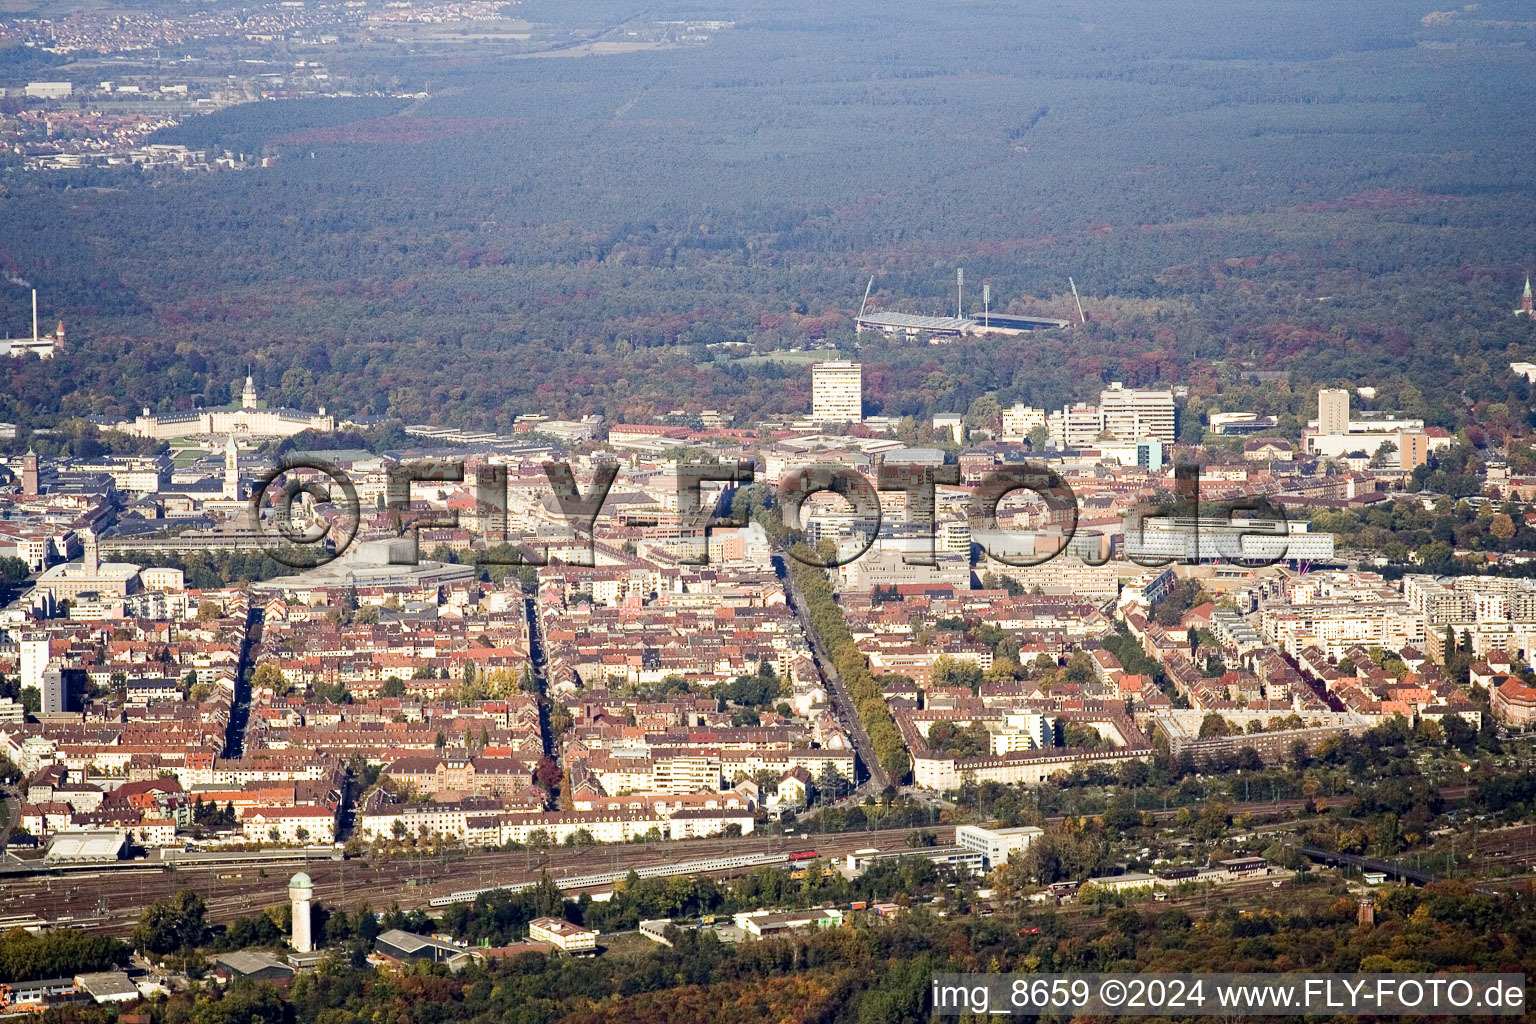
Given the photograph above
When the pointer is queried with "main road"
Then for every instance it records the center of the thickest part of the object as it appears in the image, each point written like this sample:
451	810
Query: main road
538	659
847	714
240	711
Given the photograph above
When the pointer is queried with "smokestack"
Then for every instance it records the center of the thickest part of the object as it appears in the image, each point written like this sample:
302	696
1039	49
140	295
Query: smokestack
960	292
34	316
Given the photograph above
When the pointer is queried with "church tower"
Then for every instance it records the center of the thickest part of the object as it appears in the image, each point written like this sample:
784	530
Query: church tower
92	558
231	470
1525	301
248	395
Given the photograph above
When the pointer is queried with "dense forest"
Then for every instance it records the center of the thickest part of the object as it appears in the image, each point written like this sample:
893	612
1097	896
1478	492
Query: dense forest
1343	192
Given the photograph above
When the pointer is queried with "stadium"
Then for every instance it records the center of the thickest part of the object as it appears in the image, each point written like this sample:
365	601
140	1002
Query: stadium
938	328
935	327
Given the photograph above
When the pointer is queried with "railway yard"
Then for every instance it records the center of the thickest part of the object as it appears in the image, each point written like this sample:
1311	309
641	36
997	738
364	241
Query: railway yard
111	899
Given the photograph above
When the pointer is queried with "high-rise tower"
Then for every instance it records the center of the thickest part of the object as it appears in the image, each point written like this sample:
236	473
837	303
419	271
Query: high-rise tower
1333	411
34	660
29	483
837	392
301	892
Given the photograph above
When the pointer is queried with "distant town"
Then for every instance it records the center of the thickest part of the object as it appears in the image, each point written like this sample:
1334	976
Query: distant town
123	77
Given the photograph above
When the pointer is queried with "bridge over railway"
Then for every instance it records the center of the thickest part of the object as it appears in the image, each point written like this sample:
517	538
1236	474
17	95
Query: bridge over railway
1397	871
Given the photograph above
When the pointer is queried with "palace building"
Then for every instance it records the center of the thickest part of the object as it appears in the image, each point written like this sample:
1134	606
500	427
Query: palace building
249	420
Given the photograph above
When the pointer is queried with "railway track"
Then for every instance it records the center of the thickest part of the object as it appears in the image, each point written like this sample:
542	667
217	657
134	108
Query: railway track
110	901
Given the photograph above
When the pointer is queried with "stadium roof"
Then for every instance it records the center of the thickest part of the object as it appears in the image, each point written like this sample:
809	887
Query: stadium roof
916	322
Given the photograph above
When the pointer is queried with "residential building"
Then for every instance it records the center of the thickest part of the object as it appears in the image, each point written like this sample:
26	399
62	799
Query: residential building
1514	703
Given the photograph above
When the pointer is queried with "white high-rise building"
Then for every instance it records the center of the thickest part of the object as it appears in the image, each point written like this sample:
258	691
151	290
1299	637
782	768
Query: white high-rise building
301	892
1333	411
1132	414
837	392
34	660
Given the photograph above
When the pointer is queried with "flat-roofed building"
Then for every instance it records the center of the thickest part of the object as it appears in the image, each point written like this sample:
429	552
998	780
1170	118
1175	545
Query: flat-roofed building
1122	883
403	945
996	845
837	392
1131	414
108	986
1019	419
1022	730
1075	426
93	847
761	924
1333	411
49	90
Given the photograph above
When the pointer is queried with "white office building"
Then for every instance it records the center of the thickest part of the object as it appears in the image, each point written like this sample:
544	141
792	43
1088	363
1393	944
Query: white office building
1019	419
1131	414
837	392
34	659
1333	411
1075	426
996	845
